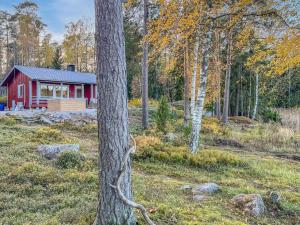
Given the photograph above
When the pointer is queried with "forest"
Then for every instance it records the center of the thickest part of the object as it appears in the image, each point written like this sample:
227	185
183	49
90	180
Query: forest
197	118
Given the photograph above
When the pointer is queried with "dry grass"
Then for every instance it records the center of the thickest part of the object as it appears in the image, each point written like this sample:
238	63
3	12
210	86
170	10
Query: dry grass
290	118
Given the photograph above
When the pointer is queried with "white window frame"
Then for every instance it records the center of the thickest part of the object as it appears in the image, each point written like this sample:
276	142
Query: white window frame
21	95
82	91
54	90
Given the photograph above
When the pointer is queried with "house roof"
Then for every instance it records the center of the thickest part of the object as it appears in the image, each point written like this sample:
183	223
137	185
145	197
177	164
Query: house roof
45	74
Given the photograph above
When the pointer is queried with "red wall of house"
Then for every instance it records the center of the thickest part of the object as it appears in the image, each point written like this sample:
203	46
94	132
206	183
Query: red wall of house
17	79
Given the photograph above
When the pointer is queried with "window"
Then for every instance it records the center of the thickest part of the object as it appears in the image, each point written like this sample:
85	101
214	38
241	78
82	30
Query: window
54	91
78	92
47	90
20	90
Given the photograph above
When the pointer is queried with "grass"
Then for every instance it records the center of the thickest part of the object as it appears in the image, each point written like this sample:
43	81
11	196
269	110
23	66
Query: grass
38	191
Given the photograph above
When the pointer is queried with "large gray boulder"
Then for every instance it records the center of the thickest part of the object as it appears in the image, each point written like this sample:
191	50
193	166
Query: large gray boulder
207	188
252	204
52	151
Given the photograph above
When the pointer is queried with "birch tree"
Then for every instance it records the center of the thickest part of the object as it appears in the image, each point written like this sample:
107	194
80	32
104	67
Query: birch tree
198	111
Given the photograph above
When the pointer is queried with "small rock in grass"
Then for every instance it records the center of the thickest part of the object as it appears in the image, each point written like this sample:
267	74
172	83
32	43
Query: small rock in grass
46	120
170	137
252	204
52	151
186	188
208	188
274	197
199	198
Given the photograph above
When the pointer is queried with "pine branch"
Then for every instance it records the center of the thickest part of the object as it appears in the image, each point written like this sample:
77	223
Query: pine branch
118	186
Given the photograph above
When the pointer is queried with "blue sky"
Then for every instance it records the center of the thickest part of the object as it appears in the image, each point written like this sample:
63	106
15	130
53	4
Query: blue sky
57	13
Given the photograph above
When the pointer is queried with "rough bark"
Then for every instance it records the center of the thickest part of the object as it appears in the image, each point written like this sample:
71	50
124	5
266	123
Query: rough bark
227	79
186	87
198	113
238	93
256	98
194	77
219	71
145	115
112	114
249	96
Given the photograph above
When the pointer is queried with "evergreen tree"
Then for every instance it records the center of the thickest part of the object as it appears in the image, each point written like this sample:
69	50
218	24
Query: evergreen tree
57	60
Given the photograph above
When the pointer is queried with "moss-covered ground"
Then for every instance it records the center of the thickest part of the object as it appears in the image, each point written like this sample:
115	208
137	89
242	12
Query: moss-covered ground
243	157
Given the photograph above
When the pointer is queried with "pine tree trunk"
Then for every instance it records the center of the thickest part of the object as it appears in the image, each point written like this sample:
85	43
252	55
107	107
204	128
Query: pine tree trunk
198	112
218	100
145	116
227	79
186	87
112	113
238	94
256	98
194	77
249	96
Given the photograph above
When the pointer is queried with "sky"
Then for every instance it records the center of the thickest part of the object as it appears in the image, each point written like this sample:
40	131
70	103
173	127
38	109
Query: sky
57	13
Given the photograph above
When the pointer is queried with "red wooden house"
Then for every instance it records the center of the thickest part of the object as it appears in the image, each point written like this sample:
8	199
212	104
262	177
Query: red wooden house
31	87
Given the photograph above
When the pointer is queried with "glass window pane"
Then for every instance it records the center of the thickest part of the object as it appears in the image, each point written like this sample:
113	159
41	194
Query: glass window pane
65	91
57	91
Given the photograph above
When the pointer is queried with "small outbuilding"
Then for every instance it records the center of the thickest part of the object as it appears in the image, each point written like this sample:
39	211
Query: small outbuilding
32	87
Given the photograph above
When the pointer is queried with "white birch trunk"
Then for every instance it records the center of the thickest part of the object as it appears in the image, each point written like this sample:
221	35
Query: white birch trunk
256	98
194	77
198	111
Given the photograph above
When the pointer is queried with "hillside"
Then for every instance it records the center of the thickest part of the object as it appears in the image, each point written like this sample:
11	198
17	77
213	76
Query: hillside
245	157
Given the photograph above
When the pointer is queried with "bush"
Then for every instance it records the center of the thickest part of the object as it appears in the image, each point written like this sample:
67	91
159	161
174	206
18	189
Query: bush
163	114
69	160
269	115
207	159
9	121
47	135
3	100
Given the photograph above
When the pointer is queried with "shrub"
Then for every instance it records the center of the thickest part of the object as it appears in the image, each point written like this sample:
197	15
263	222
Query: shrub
137	102
46	135
70	159
207	159
163	114
9	121
3	100
147	141
269	115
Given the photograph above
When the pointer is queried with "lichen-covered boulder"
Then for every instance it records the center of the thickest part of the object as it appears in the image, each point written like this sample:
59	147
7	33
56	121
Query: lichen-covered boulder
252	204
52	151
207	188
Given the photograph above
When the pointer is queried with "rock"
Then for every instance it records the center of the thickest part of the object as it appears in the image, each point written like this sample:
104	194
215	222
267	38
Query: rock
170	137
186	188
46	120
199	198
208	188
274	197
52	151
252	204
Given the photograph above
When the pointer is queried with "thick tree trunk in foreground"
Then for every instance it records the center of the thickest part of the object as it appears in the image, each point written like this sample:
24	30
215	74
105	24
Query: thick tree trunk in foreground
145	116
186	87
194	77
198	113
256	98
227	79
112	113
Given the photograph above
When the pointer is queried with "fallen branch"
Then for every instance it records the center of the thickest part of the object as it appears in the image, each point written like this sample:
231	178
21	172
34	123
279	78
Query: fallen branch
118	185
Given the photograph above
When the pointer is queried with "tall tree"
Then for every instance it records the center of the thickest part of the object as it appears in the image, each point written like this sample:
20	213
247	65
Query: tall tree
113	114
57	62
145	116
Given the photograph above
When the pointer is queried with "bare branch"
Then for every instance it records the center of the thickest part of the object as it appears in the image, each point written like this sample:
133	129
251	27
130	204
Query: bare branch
118	185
